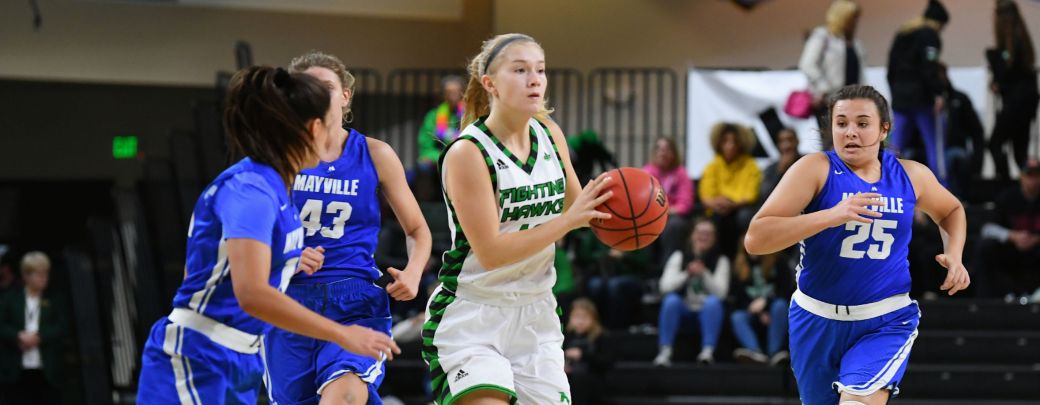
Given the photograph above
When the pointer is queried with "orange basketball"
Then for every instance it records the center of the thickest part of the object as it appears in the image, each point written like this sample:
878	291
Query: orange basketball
639	210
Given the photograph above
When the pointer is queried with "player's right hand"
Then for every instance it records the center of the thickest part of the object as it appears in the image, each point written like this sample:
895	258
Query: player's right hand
855	208
584	208
311	260
367	342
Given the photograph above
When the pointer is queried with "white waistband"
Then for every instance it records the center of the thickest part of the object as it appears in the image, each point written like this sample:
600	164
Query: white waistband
224	335
851	312
498	298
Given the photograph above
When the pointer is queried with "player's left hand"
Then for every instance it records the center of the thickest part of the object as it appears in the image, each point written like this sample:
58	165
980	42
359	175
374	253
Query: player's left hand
957	277
405	285
311	260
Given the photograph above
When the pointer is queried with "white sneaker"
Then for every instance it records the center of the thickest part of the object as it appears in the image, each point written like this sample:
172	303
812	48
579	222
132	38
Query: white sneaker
743	355
707	356
664	357
780	357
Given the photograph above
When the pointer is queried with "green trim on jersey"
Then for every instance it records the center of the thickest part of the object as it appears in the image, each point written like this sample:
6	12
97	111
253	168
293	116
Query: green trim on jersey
451	261
532	158
439	379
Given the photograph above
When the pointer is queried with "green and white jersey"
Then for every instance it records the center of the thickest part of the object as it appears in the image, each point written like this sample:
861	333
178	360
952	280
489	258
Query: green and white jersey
529	194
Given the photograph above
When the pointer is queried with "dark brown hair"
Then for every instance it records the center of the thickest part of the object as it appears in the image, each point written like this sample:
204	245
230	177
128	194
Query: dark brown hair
266	116
1012	35
676	157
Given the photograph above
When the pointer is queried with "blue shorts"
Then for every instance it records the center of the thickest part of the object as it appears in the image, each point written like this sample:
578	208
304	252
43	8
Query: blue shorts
181	366
857	357
300	367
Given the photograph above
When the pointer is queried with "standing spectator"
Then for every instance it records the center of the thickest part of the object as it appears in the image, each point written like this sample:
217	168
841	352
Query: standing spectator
917	87
32	324
833	57
441	124
585	362
729	186
1014	80
787	143
667	166
964	137
694	282
1011	245
761	288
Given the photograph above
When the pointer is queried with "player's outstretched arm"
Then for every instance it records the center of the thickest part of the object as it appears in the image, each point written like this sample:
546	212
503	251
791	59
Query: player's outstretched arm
468	186
250	270
780	222
947	212
418	239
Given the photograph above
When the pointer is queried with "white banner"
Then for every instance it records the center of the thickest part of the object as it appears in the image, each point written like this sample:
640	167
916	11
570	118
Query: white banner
740	96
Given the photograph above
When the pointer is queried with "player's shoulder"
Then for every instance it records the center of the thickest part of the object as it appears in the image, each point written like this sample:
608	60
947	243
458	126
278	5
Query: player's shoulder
816	162
379	149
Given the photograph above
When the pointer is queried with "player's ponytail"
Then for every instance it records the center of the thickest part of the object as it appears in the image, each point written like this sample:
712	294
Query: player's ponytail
266	117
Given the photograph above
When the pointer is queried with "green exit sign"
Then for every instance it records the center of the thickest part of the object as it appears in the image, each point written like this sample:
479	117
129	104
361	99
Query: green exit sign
124	147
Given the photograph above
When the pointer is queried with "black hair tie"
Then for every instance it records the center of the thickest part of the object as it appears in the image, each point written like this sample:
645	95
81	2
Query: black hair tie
282	78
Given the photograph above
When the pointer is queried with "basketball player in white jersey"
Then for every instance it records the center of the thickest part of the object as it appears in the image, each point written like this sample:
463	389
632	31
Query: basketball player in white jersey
493	334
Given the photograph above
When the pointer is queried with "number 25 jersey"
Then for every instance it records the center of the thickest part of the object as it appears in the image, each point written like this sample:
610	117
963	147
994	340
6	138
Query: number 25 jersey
857	263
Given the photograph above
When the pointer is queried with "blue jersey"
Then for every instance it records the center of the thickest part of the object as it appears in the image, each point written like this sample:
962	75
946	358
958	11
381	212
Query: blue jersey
248	200
858	263
339	208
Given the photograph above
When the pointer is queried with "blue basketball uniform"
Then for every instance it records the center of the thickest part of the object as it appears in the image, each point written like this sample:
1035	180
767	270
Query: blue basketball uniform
852	323
207	349
339	209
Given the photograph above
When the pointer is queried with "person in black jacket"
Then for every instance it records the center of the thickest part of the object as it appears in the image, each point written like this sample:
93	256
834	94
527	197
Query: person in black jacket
965	138
32	326
1014	77
917	88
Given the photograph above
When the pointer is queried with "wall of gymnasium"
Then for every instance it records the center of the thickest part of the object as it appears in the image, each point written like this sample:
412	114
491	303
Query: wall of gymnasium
101	69
122	42
585	34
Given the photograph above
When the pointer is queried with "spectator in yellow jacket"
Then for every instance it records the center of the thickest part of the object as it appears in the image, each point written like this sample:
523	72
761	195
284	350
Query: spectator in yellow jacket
730	183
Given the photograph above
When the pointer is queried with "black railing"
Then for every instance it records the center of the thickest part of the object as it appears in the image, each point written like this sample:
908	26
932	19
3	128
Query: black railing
630	107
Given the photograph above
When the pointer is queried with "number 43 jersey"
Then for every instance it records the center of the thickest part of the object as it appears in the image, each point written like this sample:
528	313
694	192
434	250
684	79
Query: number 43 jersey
339	209
858	263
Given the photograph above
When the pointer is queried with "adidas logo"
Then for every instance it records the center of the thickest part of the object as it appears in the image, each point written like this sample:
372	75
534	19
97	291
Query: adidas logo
546	156
501	164
460	375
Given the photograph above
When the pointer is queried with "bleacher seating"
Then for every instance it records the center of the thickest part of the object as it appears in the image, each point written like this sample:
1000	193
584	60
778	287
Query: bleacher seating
980	352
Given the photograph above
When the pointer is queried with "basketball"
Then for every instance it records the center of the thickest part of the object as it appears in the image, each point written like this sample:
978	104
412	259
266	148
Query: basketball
639	210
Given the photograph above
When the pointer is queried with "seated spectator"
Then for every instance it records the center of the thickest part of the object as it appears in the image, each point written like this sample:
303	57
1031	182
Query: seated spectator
617	287
729	185
695	280
787	144
1010	249
32	324
761	288
441	124
667	166
585	363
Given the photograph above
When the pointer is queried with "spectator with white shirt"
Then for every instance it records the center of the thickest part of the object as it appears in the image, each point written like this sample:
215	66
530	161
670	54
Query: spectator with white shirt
31	328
